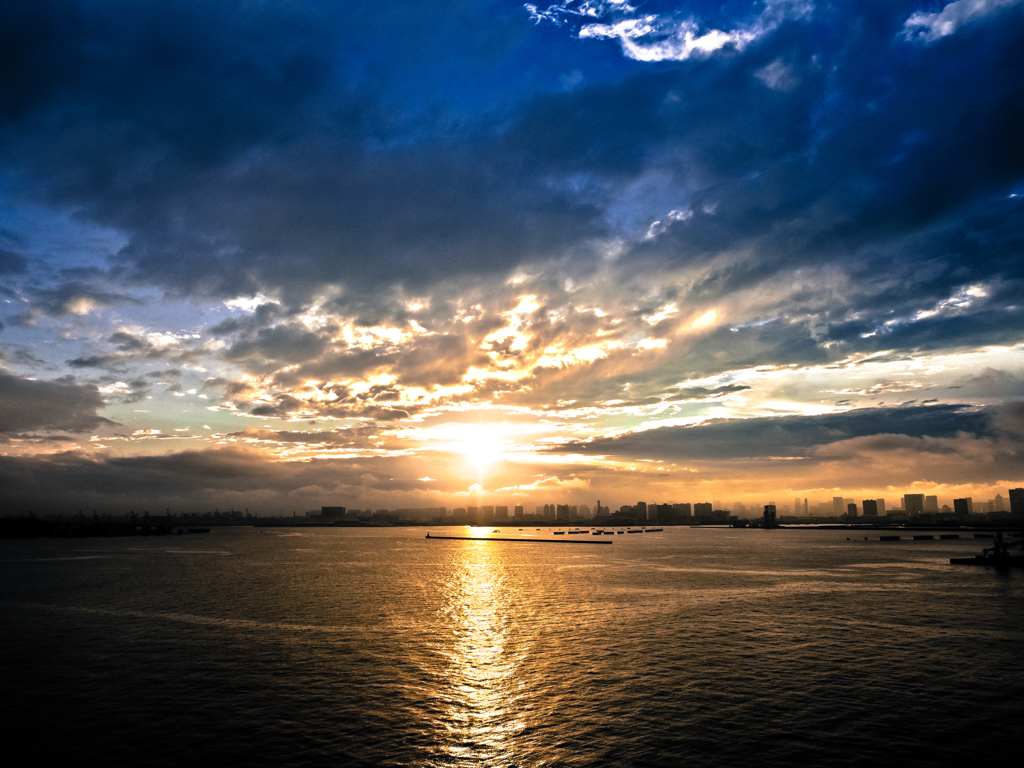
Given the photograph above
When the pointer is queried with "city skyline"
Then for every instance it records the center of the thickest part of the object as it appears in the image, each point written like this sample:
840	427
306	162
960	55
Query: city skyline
274	256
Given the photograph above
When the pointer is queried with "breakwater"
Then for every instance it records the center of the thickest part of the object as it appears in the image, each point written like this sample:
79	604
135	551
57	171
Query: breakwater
527	541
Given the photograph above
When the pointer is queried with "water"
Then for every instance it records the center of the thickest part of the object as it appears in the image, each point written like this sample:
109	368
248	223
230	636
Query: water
378	647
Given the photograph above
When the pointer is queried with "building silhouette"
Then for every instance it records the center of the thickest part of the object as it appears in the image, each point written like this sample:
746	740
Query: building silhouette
1017	501
960	508
913	504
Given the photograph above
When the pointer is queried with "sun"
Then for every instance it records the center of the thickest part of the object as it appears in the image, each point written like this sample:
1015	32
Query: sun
480	445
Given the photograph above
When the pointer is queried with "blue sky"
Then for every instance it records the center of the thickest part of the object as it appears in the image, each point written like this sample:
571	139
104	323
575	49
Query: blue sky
414	254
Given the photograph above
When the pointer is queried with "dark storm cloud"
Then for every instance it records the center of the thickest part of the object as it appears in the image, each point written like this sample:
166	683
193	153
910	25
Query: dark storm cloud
789	436
192	481
881	158
260	318
259	129
27	405
280	344
281	146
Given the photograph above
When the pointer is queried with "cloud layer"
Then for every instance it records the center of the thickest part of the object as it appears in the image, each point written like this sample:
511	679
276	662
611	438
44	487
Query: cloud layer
605	225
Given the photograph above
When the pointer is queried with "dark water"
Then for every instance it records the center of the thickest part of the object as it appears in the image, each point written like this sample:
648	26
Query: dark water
377	647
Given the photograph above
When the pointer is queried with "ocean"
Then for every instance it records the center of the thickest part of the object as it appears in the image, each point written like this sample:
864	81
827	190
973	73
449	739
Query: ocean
379	647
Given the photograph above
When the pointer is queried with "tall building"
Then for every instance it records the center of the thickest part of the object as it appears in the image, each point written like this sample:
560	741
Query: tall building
913	504
931	503
640	510
881	506
1017	501
838	507
870	507
518	512
851	510
960	508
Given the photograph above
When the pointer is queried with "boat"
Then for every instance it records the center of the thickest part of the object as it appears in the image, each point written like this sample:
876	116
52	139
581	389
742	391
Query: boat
994	561
559	533
996	556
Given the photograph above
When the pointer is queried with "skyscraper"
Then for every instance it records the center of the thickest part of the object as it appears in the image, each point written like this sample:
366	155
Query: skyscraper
913	504
1017	501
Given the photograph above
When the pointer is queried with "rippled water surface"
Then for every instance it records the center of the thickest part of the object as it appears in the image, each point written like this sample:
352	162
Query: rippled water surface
379	647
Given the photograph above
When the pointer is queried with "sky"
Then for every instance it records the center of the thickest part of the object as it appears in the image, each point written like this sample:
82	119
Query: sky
277	255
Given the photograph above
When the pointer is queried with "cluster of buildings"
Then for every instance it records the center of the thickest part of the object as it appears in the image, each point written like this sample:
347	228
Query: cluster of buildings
912	507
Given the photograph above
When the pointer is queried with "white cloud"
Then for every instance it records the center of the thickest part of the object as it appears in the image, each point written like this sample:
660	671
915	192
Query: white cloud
587	9
656	39
660	226
665	37
929	27
777	76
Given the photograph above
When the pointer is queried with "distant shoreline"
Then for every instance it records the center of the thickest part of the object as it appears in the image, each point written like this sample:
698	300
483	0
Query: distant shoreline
80	527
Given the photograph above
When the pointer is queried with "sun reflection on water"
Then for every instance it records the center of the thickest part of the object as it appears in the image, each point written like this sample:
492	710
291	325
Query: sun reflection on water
482	654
